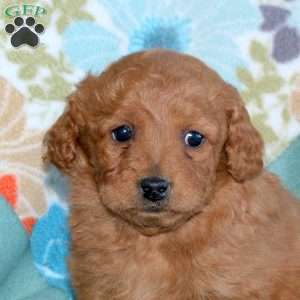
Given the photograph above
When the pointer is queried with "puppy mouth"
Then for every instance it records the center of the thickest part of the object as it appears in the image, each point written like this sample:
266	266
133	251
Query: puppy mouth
151	223
157	208
153	209
153	220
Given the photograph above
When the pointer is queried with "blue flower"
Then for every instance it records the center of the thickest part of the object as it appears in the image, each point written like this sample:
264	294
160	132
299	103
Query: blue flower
170	33
206	29
286	24
50	247
95	47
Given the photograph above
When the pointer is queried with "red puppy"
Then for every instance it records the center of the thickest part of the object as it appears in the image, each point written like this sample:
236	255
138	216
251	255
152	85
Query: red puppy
169	199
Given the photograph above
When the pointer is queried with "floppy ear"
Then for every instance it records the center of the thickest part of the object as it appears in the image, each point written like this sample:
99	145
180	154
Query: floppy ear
244	145
61	140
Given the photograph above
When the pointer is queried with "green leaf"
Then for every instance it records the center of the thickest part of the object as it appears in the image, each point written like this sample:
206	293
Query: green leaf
244	76
72	5
28	57
36	92
3	35
57	4
82	15
61	23
283	97
270	84
28	72
17	57
62	64
258	52
266	131
59	88
285	114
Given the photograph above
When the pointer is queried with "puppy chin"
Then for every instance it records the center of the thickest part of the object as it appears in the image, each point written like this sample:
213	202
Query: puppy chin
154	223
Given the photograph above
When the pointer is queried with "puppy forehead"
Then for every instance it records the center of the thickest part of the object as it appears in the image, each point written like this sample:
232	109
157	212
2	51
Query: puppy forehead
178	99
158	84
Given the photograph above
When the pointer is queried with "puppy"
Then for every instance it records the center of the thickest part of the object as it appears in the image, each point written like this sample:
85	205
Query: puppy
169	199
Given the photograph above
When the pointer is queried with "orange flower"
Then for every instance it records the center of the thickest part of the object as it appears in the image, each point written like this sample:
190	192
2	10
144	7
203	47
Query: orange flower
8	189
28	224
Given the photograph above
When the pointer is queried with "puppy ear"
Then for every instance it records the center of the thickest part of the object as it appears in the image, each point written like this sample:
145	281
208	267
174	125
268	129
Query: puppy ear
244	145
61	140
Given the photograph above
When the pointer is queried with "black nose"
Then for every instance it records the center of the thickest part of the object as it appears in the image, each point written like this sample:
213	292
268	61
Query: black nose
154	188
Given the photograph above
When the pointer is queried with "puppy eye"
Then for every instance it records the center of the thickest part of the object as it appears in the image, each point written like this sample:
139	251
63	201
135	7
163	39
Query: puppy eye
193	138
122	133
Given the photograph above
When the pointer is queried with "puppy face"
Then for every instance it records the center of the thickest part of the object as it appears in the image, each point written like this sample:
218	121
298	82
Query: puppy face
156	129
170	140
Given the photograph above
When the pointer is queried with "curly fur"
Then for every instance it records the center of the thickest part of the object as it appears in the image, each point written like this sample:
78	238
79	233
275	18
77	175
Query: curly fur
230	230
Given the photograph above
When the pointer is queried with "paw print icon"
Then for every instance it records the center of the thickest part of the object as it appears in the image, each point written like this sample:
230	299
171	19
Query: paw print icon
24	32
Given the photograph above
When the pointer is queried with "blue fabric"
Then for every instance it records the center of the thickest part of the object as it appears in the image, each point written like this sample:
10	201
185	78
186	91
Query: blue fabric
50	247
287	167
19	279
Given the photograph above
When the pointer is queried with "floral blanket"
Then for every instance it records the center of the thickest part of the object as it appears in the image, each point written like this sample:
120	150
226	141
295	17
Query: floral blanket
253	44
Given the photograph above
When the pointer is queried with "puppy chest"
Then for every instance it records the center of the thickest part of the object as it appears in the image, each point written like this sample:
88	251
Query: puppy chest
149	276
